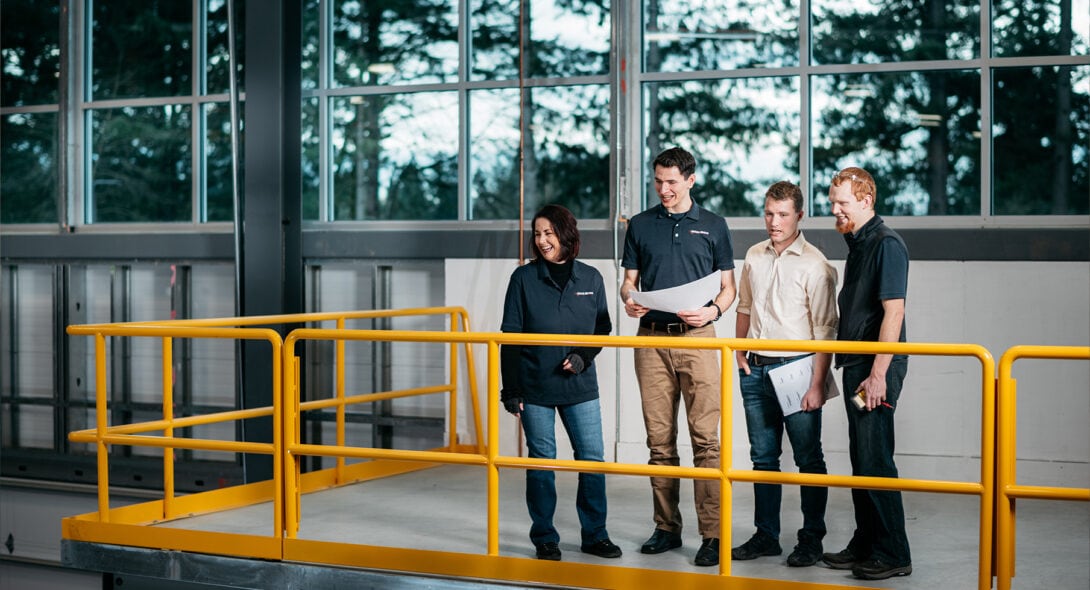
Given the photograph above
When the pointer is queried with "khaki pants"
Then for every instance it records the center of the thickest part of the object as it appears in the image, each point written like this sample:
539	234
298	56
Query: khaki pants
667	376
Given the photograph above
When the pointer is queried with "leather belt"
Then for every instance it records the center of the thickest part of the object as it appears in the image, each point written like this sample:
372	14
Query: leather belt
758	360
670	329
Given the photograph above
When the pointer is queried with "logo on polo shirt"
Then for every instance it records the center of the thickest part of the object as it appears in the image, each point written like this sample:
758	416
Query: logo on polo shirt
699	231
583	293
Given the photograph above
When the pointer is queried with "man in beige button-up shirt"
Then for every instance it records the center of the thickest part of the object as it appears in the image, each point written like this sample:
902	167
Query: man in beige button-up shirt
787	291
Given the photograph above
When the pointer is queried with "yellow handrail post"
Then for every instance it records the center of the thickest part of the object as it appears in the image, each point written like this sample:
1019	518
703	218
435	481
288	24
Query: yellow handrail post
471	377
987	469
452	381
493	448
101	449
290	419
340	398
1006	476
168	432
726	453
278	445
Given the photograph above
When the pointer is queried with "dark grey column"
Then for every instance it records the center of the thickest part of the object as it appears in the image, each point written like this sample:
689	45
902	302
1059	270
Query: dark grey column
272	213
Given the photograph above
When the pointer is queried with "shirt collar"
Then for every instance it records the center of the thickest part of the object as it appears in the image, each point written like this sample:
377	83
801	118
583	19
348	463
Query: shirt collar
543	269
693	212
868	228
796	247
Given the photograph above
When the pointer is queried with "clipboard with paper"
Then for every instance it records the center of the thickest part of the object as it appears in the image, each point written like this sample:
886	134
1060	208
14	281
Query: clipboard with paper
791	381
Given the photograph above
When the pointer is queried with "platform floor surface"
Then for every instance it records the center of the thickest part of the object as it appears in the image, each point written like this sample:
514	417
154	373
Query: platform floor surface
444	509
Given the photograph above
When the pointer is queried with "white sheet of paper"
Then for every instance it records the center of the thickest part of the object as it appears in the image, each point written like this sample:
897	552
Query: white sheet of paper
688	296
793	379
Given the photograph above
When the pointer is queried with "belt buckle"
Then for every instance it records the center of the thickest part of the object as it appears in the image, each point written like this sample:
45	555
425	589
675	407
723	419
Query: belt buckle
676	328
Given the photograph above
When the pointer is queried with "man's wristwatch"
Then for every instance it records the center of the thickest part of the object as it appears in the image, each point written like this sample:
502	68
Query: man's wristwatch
718	312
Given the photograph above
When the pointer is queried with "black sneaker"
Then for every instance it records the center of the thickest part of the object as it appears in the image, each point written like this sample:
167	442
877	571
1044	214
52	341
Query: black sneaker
805	554
708	554
873	569
602	548
844	560
759	545
549	551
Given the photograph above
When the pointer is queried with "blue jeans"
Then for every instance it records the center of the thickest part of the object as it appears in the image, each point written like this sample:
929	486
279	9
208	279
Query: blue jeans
765	424
583	422
879	515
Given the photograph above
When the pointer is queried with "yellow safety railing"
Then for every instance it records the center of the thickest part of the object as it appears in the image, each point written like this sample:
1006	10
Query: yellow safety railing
1007	486
98	525
117	525
601	575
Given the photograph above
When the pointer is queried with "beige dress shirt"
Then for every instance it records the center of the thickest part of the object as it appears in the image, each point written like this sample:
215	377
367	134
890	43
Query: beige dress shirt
790	296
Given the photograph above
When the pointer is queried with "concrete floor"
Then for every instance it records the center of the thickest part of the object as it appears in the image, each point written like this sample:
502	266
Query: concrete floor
444	509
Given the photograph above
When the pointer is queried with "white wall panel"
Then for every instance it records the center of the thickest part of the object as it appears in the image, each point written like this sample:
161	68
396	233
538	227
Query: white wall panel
996	305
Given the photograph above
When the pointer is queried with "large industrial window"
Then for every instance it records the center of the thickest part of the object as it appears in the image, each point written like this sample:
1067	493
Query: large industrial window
950	120
464	110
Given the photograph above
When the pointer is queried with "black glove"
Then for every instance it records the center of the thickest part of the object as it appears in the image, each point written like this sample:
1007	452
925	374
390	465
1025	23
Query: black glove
577	363
512	404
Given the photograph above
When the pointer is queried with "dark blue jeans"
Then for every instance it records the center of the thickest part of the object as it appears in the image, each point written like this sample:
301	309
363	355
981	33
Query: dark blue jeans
583	422
879	515
765	424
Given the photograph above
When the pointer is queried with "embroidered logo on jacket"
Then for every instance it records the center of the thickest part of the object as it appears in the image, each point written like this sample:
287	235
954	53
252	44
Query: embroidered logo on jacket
699	231
582	293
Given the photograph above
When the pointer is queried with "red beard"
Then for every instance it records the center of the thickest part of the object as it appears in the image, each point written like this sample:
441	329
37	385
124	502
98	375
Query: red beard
847	227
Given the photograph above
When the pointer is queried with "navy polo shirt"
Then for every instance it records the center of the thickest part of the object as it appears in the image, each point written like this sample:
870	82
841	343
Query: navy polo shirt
535	304
669	252
876	270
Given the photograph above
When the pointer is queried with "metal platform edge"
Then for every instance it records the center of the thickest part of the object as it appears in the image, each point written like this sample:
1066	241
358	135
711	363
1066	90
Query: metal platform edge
231	572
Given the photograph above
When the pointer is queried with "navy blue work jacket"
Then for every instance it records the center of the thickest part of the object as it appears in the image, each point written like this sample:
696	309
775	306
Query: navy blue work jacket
535	304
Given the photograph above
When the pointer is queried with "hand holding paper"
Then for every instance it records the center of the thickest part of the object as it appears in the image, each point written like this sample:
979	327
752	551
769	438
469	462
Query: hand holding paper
792	380
683	297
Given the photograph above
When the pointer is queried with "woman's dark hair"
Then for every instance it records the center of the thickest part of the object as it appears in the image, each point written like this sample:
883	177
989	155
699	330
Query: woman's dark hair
565	228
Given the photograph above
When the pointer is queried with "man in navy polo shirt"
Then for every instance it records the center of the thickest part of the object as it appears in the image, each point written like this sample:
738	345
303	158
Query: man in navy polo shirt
671	244
872	308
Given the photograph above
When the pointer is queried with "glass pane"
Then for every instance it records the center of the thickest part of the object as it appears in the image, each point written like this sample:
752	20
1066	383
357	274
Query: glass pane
29	46
563	39
140	164
394	42
1041	134
33	426
1040	27
917	133
311	140
28	356
311	53
27	332
28	168
218	64
744	134
695	35
141	48
567	157
220	204
213	359
493	154
396	156
875	31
